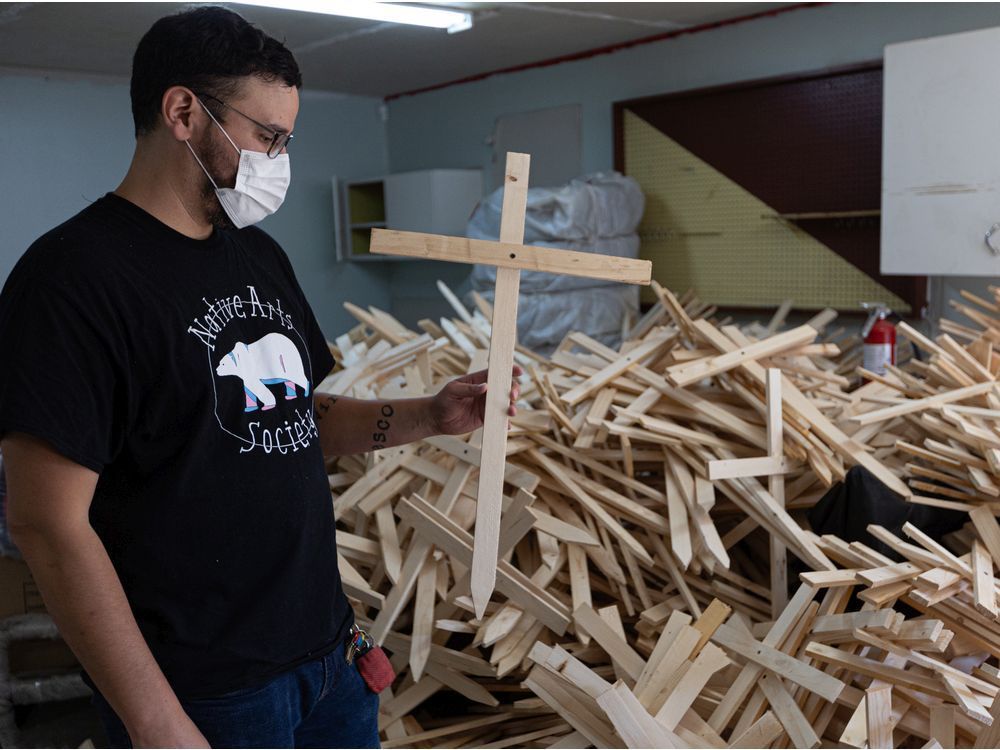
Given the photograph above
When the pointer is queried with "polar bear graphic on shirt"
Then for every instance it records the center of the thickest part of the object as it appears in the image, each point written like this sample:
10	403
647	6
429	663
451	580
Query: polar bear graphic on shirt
267	361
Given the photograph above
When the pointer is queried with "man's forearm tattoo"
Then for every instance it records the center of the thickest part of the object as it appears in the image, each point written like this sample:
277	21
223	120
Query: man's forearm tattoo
382	425
324	406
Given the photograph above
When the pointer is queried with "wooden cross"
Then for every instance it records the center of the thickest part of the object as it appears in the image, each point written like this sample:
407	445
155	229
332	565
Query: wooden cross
774	467
510	256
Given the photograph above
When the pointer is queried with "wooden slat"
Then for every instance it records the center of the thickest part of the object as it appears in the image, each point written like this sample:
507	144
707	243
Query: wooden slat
502	339
915	405
510	254
692	372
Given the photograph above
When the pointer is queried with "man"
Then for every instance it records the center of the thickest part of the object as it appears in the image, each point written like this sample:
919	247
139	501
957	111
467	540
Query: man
165	460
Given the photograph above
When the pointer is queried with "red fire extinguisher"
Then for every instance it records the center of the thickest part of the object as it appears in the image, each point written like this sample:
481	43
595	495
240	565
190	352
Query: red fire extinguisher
880	338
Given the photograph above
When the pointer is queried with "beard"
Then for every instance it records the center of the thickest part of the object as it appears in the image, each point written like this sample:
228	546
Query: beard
214	158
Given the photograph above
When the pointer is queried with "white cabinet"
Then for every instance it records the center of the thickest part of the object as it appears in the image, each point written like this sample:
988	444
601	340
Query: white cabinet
434	201
941	156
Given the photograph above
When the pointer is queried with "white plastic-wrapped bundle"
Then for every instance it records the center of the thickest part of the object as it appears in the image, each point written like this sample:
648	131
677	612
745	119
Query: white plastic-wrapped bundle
598	213
600	205
544	319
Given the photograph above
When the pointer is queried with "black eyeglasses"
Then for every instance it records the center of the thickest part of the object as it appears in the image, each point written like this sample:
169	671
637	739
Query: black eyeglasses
279	140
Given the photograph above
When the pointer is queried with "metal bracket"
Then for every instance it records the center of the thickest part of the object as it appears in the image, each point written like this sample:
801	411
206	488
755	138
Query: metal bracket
991	241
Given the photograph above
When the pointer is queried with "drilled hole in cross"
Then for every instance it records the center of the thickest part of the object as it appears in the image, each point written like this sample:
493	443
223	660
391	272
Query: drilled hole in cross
513	255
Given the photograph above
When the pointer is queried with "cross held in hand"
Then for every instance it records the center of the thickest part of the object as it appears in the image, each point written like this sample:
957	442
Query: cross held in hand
510	257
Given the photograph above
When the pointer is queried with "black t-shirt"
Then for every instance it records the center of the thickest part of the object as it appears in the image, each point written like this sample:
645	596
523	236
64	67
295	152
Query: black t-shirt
182	371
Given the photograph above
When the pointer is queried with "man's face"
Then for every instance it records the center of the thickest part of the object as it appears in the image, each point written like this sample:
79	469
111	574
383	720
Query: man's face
273	104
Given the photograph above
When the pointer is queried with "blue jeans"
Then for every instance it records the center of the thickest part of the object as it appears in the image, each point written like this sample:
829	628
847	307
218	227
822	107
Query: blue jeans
323	703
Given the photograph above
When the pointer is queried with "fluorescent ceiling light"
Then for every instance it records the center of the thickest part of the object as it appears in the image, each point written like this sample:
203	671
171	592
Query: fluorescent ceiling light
437	18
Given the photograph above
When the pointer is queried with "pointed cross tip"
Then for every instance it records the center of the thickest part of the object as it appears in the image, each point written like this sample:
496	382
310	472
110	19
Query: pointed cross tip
479	601
418	672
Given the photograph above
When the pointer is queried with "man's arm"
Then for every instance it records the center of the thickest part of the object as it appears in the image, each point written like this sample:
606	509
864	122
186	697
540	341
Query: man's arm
48	506
350	425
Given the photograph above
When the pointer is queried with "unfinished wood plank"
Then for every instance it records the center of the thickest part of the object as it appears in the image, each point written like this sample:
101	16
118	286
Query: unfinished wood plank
355	586
991	736
942	725
708	662
648	348
793	398
787	711
770	658
561	530
880	621
612	617
444	533
568	702
989	531
967	701
613	526
510	254
417	553
878	716
715	614
887	574
680	531
746	681
760	734
830	578
984	585
616	646
915	405
632	722
751	467
502	338
692	372
776	488
392	556
876	669
574	559
423	619
672	653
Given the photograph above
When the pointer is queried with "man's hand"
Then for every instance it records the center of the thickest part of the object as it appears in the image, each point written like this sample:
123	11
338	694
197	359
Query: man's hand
350	425
460	406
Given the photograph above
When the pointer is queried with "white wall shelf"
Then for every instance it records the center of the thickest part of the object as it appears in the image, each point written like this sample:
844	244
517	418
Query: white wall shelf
434	201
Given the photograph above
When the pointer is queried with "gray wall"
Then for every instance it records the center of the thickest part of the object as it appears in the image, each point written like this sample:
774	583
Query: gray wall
448	127
64	142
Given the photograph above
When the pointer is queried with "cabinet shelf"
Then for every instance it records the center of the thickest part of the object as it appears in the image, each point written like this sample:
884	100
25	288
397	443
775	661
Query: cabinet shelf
433	201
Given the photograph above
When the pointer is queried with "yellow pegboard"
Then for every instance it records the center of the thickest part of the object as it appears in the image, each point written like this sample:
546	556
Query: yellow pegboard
702	231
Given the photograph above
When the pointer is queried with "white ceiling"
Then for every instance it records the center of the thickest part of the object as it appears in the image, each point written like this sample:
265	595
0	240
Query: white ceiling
355	56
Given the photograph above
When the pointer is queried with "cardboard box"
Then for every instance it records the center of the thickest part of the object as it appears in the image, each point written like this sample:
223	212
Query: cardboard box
18	592
19	596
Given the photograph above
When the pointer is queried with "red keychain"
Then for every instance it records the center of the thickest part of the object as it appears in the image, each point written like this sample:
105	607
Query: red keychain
373	664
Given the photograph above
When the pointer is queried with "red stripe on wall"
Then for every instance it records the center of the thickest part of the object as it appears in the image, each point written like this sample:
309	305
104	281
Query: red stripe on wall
610	48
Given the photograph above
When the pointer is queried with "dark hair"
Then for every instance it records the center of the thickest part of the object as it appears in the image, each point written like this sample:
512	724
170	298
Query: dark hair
208	50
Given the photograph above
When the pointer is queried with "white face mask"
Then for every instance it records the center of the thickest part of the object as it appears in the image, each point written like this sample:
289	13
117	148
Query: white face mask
261	183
